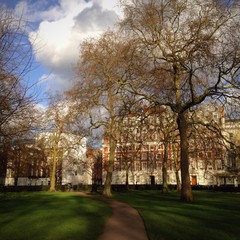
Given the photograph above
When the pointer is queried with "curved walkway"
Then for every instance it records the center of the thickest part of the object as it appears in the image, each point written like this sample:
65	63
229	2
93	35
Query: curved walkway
124	224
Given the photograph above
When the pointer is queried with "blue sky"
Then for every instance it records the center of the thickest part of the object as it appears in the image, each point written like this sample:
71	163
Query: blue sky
57	29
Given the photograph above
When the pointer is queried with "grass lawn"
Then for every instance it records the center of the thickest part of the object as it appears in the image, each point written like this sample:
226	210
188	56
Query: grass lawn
213	215
55	216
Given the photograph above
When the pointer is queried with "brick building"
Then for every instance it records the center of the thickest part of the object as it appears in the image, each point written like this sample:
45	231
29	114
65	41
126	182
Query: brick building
149	137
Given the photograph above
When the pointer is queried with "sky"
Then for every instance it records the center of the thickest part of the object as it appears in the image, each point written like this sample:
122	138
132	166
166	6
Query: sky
57	29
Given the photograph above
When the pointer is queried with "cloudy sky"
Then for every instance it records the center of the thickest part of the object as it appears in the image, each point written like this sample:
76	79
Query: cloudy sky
57	28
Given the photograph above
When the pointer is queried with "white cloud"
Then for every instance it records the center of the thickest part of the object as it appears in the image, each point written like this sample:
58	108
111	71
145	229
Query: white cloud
62	28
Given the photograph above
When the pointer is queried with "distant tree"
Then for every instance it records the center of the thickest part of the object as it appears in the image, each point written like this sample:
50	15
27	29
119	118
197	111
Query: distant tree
95	162
129	145
167	129
58	138
185	53
24	159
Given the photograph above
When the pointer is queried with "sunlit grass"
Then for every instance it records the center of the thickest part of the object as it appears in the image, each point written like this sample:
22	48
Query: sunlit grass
213	215
56	216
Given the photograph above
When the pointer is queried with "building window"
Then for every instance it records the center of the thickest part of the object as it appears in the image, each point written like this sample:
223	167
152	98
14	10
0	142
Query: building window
145	147
191	155
193	164
137	166
218	153
119	148
159	166
209	155
152	147
144	156
144	166
219	164
209	165
116	167
130	148
138	147
232	160
160	146
80	170
119	158
200	164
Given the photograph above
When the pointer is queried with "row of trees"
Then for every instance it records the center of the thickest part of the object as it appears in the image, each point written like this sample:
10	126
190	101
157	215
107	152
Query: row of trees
16	104
173	53
21	120
165	53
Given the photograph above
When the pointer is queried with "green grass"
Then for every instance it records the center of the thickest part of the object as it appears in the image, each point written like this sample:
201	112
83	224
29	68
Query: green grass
55	216
213	215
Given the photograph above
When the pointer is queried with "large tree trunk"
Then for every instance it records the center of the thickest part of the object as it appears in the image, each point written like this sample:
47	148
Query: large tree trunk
164	169
53	177
107	185
107	192
186	191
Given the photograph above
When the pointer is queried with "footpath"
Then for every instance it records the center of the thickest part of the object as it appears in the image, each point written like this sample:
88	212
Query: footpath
125	222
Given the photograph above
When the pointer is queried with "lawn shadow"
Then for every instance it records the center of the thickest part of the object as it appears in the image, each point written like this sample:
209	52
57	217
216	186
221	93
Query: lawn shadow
51	216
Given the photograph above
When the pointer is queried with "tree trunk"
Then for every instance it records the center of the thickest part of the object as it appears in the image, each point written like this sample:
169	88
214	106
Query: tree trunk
186	191
53	177
15	181
107	185
176	169
179	186
164	169
127	182
107	192
54	167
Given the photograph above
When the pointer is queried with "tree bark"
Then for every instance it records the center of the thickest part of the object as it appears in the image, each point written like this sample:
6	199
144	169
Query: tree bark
176	169
107	185
186	191
179	186
107	191
164	169
53	176
54	167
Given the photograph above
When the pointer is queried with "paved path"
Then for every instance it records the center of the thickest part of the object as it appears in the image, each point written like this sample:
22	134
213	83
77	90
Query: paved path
124	224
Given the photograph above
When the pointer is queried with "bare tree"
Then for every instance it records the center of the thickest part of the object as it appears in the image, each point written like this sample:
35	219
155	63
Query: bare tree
15	63
129	145
186	52
101	72
167	130
61	138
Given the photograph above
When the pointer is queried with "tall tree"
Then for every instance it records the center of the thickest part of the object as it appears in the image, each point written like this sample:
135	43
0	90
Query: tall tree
101	72
15	63
167	130
187	51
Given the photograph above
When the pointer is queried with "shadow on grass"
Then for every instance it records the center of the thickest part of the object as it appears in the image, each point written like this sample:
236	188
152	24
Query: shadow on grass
47	216
213	216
